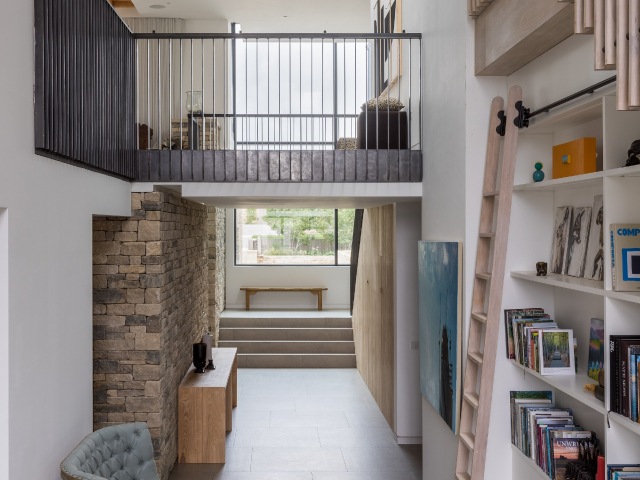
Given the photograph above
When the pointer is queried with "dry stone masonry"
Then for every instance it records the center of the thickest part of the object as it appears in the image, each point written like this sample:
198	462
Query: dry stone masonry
216	229
150	285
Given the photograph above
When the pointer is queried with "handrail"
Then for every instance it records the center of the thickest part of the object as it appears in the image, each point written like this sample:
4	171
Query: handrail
281	36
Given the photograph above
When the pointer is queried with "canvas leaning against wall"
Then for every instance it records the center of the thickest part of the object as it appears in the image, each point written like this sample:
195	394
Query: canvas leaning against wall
440	290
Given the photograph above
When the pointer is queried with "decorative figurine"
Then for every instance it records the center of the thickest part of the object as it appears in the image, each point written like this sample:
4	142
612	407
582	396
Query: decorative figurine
633	154
538	175
541	269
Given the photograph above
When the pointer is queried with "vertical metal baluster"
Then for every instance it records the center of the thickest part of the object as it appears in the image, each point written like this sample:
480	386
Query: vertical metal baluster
204	126
399	93
148	122
181	104
334	89
170	93
311	76
224	86
193	140
410	64
214	119
420	95
246	92
268	93
300	92
323	135
344	87
368	92
290	99
159	137
279	100
257	100
355	87
137	104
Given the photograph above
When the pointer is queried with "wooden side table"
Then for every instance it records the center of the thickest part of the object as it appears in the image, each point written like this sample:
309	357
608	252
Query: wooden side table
205	406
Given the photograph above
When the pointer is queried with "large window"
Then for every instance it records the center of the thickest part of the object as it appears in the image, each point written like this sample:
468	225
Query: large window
290	236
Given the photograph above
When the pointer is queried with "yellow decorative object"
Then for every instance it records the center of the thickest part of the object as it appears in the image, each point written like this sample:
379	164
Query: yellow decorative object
574	158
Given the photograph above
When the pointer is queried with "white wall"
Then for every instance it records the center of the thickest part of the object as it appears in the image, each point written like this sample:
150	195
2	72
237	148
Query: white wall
456	114
4	344
408	405
335	278
49	206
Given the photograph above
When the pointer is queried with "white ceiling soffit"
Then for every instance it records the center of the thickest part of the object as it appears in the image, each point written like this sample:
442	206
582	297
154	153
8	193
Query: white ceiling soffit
269	16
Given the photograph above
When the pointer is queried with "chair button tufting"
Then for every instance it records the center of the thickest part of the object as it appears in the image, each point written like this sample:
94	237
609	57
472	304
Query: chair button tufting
136	432
141	462
117	437
128	450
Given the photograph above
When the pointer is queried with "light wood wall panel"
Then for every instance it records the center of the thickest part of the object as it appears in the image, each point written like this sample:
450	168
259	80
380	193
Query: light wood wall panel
511	33
374	307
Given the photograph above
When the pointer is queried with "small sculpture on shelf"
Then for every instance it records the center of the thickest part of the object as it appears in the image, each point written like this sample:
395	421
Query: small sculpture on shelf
200	356
538	174
541	269
633	154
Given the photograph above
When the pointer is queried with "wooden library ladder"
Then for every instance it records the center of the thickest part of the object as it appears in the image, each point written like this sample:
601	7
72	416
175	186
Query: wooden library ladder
486	301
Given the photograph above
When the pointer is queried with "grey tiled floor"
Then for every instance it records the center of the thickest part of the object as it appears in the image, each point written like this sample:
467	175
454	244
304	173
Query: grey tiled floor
308	424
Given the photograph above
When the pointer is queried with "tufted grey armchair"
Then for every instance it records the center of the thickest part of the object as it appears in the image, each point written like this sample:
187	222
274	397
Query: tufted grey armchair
118	452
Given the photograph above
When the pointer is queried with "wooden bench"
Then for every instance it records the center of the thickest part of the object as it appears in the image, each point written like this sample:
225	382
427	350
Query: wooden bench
205	404
253	290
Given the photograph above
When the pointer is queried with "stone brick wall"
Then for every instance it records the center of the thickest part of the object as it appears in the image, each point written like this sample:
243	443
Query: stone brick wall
216	231
150	305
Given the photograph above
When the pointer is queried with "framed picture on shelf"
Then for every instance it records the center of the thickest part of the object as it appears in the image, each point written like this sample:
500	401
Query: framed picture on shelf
578	238
556	352
560	239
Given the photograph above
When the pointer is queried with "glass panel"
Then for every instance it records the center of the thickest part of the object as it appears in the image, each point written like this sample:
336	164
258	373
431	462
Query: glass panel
345	235
285	236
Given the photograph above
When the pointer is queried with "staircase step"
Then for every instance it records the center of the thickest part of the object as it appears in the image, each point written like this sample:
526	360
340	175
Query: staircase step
262	346
296	360
285	322
246	333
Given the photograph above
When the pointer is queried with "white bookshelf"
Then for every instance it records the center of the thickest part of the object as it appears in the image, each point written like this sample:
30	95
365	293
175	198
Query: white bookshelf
572	302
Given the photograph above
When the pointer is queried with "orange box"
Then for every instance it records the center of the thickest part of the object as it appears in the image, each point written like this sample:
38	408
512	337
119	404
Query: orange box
574	158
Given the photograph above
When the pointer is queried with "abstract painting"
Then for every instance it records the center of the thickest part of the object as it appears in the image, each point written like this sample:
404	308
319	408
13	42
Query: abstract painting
440	292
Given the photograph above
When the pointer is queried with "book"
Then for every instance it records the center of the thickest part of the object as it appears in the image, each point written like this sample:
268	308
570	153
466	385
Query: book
518	335
560	240
531	397
509	314
565	450
555	348
594	262
596	348
634	352
625	256
612	470
616	371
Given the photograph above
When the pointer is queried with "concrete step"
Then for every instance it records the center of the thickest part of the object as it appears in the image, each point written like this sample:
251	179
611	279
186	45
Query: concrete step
285	322
296	360
261	346
247	333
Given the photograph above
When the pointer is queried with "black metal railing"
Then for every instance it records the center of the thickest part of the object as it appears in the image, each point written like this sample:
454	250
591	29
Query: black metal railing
278	91
85	83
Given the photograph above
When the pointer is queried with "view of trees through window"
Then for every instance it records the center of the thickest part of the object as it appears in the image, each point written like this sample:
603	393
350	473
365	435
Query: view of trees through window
289	236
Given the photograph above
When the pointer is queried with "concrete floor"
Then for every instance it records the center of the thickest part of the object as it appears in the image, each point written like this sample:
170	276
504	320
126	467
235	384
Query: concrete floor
308	424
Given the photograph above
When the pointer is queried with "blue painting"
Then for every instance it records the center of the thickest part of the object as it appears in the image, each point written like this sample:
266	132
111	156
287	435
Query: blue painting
440	290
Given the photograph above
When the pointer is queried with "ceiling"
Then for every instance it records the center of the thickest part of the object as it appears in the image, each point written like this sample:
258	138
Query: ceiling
268	16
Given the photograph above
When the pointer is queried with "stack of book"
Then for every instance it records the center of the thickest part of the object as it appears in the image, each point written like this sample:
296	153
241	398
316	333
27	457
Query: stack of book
535	341
626	472
548	434
624	357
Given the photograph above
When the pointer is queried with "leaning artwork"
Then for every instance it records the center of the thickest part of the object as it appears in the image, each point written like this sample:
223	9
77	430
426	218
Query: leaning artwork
594	263
578	238
560	239
440	287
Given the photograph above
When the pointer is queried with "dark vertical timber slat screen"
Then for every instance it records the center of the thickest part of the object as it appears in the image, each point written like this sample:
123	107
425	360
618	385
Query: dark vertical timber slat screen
85	85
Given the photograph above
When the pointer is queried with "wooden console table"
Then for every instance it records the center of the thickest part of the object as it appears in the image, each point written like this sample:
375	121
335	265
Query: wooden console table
253	290
205	405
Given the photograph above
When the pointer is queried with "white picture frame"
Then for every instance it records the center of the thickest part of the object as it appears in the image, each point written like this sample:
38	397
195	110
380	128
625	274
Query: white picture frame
556	352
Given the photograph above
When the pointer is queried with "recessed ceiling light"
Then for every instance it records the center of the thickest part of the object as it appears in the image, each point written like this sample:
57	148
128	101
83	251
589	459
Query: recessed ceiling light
157	6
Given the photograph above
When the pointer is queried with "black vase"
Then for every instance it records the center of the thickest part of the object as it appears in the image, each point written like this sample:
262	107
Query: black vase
199	356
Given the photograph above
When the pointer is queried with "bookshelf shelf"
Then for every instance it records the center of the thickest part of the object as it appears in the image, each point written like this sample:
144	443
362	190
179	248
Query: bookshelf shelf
577	181
572	385
564	281
579	284
535	470
625	422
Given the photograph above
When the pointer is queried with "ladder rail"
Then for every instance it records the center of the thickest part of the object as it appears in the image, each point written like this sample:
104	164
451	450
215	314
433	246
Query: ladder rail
487	293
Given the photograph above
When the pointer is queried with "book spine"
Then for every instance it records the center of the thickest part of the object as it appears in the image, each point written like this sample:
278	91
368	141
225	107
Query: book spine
623	366
613	390
637	389
633	390
613	261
